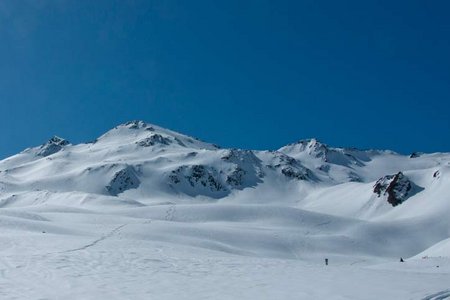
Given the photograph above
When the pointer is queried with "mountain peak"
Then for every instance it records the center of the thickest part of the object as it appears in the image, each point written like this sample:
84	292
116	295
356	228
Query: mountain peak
144	134
53	145
58	141
310	146
307	143
136	124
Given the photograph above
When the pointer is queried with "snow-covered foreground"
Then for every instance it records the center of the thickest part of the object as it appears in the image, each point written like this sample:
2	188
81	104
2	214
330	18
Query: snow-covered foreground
143	212
203	252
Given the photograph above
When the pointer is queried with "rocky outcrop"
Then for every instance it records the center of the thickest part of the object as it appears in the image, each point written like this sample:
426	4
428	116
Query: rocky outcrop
416	154
353	177
136	124
154	139
290	167
158	139
396	188
238	170
244	168
122	181
197	176
55	144
236	177
238	156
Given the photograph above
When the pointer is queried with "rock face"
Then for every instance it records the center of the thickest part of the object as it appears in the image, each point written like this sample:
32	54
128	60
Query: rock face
197	179
396	187
416	154
243	168
55	144
236	177
154	139
290	167
137	124
228	170
123	180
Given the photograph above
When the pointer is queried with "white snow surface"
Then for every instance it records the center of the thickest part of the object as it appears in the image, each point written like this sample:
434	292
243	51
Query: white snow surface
147	213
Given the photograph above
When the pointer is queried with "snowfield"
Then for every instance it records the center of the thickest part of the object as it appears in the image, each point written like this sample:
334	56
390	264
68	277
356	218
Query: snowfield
147	213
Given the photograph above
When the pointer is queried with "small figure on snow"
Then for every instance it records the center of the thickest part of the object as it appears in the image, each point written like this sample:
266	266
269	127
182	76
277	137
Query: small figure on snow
326	261
401	259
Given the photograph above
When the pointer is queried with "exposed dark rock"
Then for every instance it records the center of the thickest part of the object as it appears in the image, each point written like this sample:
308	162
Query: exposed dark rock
179	142
55	144
396	187
239	156
415	154
293	173
290	167
236	177
191	154
353	177
154	139
246	168
174	178
198	175
123	180
136	124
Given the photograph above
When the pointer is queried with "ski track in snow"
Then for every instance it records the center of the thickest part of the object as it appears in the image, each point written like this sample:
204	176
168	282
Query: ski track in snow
142	259
102	238
170	214
439	296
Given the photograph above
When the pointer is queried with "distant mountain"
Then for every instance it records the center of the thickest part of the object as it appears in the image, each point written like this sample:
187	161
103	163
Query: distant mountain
137	161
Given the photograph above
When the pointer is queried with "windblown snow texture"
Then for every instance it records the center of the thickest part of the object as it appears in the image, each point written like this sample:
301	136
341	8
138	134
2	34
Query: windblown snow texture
143	204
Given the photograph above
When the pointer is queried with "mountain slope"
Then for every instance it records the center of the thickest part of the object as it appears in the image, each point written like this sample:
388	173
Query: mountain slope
142	204
138	164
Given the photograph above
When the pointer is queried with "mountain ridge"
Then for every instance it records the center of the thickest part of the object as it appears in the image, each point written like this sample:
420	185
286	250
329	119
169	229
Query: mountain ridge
141	161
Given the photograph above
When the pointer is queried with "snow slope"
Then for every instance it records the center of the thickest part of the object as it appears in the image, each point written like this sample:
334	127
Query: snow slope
144	212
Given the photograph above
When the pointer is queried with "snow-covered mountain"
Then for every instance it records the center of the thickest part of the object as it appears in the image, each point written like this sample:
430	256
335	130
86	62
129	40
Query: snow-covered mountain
303	201
145	163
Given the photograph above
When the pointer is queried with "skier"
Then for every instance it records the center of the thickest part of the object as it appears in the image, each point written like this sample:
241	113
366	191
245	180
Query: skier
401	259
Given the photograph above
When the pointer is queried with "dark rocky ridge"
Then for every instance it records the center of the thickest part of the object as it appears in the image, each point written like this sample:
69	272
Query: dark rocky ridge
397	188
55	144
123	180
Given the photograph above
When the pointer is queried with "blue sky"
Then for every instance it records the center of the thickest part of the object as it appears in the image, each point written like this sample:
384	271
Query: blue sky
247	74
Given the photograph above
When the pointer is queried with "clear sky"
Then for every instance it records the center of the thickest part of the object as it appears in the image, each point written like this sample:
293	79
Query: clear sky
248	74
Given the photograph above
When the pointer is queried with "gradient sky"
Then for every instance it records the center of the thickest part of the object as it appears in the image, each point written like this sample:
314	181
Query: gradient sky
248	74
